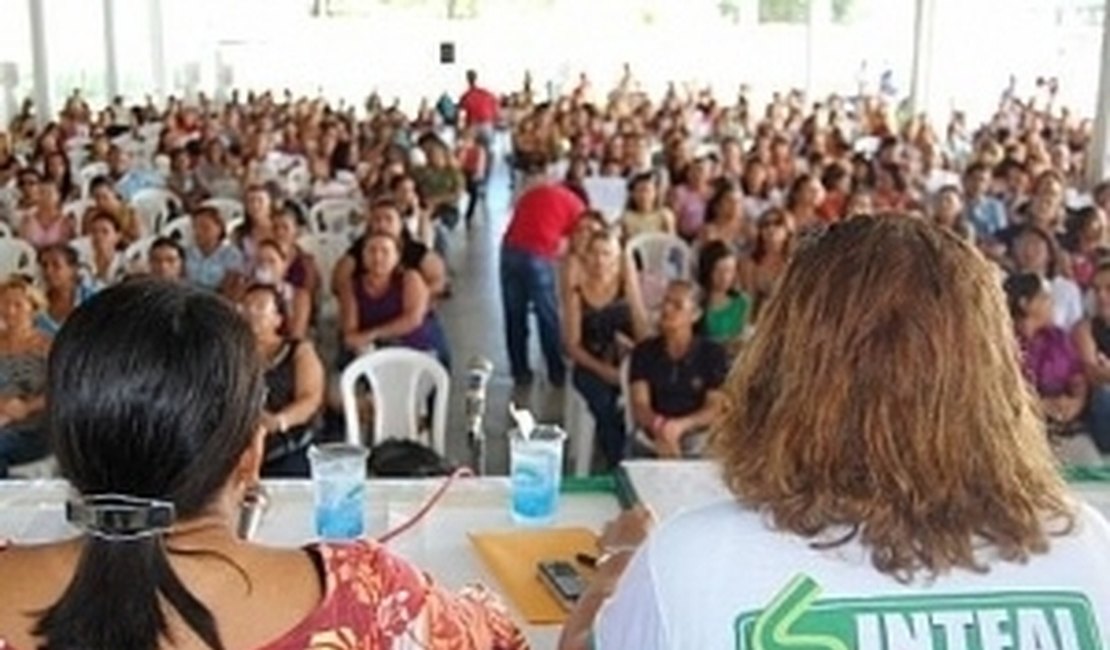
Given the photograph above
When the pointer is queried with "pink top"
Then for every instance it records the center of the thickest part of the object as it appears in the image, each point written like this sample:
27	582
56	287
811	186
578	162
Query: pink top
41	237
374	600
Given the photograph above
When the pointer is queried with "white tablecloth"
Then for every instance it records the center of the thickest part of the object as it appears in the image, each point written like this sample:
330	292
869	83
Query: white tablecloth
33	511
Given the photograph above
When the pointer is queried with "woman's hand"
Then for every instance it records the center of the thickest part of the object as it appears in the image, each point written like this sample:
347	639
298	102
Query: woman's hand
628	530
15	409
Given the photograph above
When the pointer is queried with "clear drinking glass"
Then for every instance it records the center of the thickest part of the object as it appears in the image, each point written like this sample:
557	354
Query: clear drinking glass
536	471
339	488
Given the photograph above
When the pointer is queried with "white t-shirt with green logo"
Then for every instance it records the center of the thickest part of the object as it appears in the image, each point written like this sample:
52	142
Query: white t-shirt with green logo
719	578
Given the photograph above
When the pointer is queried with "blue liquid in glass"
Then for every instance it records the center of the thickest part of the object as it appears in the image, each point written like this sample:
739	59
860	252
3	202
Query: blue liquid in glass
534	486
339	506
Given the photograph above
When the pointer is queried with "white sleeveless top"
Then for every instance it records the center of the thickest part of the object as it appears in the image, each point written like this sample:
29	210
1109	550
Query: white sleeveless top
719	578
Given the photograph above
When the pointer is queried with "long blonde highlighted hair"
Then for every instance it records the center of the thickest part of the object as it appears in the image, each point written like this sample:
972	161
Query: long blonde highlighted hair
882	399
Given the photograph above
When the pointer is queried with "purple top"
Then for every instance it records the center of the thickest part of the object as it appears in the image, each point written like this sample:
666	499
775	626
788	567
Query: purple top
376	311
690	207
1050	361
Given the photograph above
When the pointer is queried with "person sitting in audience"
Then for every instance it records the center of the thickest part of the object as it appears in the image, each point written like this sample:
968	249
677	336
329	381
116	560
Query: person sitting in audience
211	261
402	189
258	222
801	203
1085	242
573	264
294	382
644	213
107	265
859	204
724	217
725	311
65	289
128	180
107	200
1051	362
440	184
271	268
760	271
162	412
689	196
387	304
166	259
1034	251
1092	342
986	214
948	212
218	171
184	182
890	191
756	186
675	380
856	477
1045	209
46	225
302	271
604	317
23	350
837	183
57	171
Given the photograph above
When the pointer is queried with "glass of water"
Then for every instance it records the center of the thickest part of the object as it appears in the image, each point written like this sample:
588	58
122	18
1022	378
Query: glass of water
536	471
339	487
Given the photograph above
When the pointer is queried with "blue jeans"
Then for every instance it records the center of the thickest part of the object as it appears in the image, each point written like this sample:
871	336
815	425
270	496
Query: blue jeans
602	397
528	281
21	444
1098	417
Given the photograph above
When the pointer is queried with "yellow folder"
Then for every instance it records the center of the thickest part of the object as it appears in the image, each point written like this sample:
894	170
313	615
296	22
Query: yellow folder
514	557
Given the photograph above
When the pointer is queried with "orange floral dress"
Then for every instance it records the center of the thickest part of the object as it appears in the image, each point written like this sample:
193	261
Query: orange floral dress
374	600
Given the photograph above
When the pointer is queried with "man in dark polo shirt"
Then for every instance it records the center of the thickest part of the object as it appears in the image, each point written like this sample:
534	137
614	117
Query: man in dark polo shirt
544	215
675	379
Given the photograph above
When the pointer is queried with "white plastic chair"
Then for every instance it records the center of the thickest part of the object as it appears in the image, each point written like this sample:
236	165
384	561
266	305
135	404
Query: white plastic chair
580	425
84	249
135	256
18	257
180	230
396	376
75	211
326	250
5	230
35	470
88	173
154	206
607	195
229	209
660	258
338	216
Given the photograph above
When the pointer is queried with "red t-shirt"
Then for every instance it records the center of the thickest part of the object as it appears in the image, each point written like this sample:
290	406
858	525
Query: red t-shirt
542	218
480	106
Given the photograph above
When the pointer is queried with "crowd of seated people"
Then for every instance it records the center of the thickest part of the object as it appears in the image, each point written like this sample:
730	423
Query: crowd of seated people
738	185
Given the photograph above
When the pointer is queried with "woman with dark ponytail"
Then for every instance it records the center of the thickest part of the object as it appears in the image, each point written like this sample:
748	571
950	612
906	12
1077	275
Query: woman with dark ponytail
155	422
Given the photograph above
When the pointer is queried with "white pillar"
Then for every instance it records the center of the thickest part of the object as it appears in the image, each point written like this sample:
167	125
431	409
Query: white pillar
158	50
818	17
44	110
111	61
1098	164
921	73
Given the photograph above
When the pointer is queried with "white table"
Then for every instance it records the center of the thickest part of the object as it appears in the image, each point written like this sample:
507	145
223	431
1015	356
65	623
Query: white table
33	511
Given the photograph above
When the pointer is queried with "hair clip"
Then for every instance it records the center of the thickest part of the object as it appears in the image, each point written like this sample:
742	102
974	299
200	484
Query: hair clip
117	517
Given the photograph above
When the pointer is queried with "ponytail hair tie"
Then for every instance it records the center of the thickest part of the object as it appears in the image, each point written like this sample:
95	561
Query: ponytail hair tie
120	518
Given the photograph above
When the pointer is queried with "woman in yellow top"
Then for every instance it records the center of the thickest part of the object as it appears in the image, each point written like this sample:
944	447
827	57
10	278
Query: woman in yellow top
644	212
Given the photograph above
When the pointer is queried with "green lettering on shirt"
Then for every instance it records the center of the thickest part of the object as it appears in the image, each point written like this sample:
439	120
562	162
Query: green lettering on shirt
1011	620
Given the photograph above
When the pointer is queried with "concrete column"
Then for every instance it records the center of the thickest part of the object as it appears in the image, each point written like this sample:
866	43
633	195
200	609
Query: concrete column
1098	164
818	18
44	110
111	61
158	50
921	73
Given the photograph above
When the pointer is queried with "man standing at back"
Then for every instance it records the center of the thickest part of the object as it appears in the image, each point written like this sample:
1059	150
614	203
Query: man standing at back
544	215
480	109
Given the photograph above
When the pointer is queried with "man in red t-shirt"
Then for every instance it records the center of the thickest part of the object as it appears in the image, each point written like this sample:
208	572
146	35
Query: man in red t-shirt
543	217
480	110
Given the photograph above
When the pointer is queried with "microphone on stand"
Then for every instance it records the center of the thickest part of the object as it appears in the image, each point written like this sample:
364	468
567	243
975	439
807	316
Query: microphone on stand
478	373
251	508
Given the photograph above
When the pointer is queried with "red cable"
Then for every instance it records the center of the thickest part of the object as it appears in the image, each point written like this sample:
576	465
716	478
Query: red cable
427	506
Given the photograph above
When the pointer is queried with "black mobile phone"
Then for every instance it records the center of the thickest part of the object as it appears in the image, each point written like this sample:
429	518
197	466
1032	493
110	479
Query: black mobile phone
564	581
